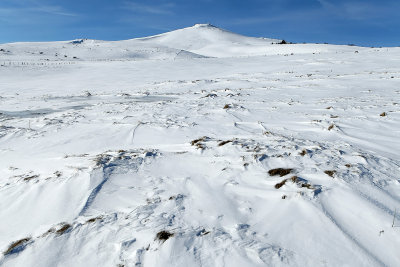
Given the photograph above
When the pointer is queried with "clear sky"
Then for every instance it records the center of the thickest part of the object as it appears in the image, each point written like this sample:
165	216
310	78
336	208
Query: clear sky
362	22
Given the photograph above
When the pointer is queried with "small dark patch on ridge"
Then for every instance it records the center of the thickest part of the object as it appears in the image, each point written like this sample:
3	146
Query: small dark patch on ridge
164	236
330	173
17	246
279	171
64	228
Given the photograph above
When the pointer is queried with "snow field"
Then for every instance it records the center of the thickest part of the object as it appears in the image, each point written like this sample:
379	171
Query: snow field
100	156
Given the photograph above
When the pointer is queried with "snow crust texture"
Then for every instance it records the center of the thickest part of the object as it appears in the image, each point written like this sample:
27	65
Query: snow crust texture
199	147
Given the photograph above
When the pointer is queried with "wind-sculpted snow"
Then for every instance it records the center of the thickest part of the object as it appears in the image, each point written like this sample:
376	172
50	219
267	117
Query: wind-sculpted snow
271	160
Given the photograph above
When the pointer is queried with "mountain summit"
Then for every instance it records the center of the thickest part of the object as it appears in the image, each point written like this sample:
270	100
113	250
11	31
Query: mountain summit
209	40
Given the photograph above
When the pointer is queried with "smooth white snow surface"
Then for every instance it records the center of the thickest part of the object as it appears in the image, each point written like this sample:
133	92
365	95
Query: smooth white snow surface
101	152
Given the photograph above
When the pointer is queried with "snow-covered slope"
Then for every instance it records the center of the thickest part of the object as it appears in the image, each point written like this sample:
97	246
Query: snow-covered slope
199	41
182	153
93	50
208	40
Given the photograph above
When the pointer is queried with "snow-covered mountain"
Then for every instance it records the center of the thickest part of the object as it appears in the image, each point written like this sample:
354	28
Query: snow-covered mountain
208	40
201	40
199	147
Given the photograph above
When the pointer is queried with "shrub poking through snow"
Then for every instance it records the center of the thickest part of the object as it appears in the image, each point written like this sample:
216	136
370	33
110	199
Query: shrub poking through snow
227	106
383	114
198	142
194	142
308	186
64	228
331	127
50	231
279	185
303	153
17	246
330	173
279	171
224	142
30	177
164	236
92	220
296	180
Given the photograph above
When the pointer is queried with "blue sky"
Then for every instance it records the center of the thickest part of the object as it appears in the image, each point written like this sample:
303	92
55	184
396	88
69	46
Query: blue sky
362	22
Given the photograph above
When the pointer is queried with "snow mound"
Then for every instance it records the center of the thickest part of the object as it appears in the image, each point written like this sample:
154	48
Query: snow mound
209	40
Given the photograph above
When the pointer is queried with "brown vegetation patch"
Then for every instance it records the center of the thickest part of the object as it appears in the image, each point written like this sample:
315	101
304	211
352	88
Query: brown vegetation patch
224	142
294	179
200	146
164	236
64	228
279	171
279	185
227	106
383	114
330	173
92	220
331	127
198	142
30	177
303	153
194	142
302	183
17	246
102	159
50	231
27	177
308	186
299	181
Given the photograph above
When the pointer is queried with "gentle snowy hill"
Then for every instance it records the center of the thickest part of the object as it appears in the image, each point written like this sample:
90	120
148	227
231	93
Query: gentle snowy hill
92	50
199	147
201	40
208	40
